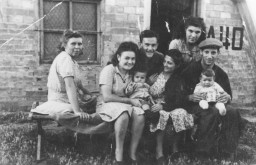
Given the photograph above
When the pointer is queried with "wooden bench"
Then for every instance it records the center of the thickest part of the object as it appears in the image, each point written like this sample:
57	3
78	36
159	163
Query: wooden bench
39	118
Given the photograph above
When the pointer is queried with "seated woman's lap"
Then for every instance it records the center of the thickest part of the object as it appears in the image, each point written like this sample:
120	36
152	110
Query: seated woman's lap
130	121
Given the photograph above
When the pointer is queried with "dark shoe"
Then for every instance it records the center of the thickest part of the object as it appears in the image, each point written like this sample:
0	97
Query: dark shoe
119	163
94	119
161	161
132	162
174	156
228	156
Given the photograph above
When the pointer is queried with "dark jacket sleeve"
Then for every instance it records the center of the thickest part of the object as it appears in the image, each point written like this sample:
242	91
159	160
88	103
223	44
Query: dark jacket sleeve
175	94
223	80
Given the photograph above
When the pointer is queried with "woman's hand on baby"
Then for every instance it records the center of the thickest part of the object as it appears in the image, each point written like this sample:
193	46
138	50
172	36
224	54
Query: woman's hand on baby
136	102
156	107
152	79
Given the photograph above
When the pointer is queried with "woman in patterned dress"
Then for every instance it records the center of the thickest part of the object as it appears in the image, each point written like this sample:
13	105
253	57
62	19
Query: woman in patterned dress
114	106
168	108
190	32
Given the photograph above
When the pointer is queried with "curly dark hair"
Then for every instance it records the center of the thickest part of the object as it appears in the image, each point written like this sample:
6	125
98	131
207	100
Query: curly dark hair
67	34
180	32
176	56
208	73
123	47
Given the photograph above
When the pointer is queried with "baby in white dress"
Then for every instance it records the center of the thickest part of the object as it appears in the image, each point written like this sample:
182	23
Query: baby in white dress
139	89
211	90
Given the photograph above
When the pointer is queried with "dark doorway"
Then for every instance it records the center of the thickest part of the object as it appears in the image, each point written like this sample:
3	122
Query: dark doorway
169	13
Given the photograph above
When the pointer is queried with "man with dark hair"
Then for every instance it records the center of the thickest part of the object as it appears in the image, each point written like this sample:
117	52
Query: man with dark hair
215	133
149	57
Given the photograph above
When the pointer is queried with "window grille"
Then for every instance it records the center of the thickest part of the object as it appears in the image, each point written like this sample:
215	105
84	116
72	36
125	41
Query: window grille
78	15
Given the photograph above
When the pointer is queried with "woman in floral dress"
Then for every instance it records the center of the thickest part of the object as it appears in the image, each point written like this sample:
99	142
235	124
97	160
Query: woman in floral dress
180	118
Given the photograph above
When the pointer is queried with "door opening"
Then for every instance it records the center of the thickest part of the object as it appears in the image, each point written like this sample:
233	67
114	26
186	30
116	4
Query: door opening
166	15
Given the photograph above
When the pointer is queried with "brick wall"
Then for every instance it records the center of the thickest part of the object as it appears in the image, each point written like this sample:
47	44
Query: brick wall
239	64
18	58
22	78
120	23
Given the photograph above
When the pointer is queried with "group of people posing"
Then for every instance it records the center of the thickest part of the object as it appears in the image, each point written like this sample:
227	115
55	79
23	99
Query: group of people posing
182	91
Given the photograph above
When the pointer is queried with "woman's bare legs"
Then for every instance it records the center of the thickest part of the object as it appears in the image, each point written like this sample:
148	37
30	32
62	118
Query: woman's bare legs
120	126
159	144
138	122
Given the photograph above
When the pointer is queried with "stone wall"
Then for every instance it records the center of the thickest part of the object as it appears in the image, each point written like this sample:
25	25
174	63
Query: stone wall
239	64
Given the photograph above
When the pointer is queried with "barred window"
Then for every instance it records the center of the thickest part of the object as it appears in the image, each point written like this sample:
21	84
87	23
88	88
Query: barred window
78	15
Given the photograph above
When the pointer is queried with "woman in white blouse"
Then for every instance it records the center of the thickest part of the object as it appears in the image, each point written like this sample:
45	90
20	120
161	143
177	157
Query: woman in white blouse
66	94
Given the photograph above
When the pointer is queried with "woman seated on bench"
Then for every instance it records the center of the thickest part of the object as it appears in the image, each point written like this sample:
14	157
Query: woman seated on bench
114	106
66	95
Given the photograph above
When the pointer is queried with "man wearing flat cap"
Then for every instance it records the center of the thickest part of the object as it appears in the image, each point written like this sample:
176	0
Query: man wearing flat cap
214	132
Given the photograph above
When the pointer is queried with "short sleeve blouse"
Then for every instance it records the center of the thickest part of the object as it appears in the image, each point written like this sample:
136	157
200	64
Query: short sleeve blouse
62	66
111	76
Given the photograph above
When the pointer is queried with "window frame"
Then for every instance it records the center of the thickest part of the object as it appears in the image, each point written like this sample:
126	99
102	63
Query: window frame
98	31
196	8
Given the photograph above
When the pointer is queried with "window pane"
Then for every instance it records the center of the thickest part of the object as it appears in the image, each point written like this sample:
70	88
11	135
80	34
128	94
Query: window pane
90	47
51	41
84	16
57	18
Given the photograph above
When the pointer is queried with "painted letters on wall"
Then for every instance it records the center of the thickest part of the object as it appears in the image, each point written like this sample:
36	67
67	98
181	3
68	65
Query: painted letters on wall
227	41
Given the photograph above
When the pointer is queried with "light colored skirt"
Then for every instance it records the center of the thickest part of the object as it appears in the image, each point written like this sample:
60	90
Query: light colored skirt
112	110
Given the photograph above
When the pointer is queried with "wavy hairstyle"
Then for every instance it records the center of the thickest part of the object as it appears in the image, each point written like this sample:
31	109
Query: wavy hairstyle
180	32
124	47
176	56
67	34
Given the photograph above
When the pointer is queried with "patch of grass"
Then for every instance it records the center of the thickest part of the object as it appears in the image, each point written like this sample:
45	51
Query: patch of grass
13	117
18	146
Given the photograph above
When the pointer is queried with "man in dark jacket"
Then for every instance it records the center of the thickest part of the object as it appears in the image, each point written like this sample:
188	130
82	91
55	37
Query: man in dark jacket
215	133
149	57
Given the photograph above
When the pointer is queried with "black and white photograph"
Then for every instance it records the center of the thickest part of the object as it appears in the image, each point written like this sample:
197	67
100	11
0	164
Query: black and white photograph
127	82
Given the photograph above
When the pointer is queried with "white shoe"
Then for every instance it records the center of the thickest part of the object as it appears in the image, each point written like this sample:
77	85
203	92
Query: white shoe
221	107
204	104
